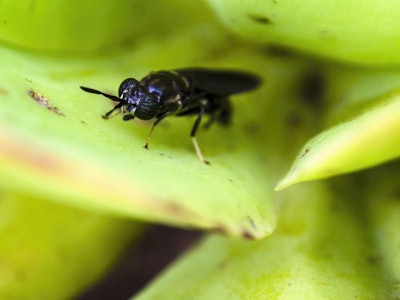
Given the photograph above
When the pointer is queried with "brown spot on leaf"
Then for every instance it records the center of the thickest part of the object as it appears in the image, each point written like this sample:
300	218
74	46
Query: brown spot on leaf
3	91
222	264
304	153
259	19
248	235
44	102
177	210
220	229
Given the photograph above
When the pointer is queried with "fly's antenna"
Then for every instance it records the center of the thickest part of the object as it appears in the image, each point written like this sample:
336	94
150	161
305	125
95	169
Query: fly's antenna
113	98
93	91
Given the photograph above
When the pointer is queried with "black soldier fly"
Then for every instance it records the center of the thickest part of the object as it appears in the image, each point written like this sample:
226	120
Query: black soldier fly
182	92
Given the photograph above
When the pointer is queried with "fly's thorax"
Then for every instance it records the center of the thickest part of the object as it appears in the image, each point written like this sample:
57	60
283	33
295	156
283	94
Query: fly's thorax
168	85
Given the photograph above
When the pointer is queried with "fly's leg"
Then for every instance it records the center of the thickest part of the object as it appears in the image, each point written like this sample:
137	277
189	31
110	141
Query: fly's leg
221	112
211	120
159	119
193	133
108	114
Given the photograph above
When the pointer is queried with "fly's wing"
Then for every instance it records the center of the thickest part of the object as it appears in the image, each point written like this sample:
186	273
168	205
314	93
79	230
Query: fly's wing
220	82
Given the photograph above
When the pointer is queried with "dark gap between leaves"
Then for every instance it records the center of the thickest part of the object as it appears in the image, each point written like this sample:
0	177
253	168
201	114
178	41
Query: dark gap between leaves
143	260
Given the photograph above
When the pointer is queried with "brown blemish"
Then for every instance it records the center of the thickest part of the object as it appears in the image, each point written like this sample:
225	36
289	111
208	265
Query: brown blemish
259	19
44	102
222	265
248	235
177	210
220	229
3	91
304	153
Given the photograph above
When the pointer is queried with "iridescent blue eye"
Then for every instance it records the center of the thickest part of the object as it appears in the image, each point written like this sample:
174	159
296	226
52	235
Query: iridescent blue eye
128	84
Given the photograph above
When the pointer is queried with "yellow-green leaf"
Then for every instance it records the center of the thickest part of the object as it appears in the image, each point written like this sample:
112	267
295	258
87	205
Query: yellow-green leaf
54	142
366	140
332	241
86	25
50	251
353	31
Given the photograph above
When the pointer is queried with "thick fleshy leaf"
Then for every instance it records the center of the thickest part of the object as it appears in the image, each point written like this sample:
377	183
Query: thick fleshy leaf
367	139
66	26
54	142
360	120
383	213
352	31
326	246
50	251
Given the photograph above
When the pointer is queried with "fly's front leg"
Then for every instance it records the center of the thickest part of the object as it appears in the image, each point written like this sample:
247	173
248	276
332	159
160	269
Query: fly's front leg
158	120
171	108
193	133
107	115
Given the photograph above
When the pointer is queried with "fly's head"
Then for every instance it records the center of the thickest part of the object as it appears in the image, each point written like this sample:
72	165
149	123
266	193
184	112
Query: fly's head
136	101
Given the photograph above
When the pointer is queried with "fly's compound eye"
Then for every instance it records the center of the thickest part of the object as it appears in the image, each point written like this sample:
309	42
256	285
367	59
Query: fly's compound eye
130	85
147	108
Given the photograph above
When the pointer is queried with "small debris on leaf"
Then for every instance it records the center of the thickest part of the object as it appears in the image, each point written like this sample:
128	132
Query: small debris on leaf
43	101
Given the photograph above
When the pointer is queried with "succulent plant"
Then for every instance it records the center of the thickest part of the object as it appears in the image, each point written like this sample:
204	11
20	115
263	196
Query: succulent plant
76	189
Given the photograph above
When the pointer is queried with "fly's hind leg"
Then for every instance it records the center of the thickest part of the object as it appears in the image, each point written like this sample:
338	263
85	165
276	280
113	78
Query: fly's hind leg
221	113
193	133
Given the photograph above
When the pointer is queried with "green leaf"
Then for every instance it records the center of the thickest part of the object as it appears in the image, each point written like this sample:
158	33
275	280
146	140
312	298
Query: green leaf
54	142
363	142
332	241
50	251
352	31
366	139
83	25
383	213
